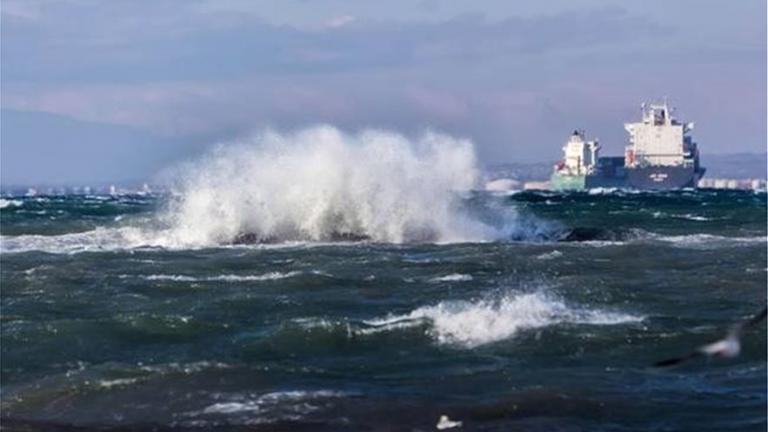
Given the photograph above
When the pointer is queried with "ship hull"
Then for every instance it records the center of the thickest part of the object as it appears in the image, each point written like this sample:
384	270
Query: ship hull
645	178
568	182
662	177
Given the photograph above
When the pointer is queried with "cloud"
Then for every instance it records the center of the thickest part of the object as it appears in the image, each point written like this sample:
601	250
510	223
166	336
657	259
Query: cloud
339	21
515	85
111	42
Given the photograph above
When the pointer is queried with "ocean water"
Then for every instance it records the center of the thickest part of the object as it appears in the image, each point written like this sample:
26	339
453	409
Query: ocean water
533	311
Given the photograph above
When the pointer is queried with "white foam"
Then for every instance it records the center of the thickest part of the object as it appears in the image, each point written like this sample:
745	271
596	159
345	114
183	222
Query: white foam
603	191
314	185
471	324
254	278
454	277
296	399
121	382
319	183
110	239
693	217
550	255
174	278
709	240
10	203
184	368
100	239
221	278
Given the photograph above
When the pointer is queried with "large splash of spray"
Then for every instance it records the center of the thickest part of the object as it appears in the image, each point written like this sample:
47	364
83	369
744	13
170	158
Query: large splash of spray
321	184
317	184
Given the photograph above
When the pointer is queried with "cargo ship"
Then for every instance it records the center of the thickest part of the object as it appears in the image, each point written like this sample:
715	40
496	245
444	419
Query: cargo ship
661	155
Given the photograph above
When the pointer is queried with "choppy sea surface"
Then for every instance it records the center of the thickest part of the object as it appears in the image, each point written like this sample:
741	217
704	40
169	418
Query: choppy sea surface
549	325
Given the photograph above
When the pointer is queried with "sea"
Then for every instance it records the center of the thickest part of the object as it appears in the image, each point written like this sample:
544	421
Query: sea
524	311
318	280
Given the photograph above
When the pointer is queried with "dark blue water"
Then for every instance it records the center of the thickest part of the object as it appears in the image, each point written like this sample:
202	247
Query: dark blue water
105	326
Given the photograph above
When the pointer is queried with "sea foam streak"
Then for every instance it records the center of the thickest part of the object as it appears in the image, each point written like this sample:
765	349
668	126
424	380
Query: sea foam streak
221	278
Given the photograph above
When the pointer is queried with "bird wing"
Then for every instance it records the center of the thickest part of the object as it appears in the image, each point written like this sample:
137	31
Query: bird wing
737	329
720	346
677	360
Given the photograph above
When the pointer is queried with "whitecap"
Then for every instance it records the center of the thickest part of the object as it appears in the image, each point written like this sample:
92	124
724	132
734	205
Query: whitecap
281	404
709	240
4	203
453	277
117	382
470	324
693	217
253	278
219	278
166	277
184	368
550	255
114	240
603	190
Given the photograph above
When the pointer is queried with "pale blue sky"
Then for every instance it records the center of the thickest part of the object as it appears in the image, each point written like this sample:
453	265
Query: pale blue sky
87	83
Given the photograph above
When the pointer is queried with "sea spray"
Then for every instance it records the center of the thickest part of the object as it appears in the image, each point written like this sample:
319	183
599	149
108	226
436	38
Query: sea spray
320	184
312	185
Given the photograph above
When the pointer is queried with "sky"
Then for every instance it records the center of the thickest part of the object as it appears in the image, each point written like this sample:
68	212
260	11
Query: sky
97	91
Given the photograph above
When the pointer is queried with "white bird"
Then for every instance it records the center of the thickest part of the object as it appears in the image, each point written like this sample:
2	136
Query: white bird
728	347
446	423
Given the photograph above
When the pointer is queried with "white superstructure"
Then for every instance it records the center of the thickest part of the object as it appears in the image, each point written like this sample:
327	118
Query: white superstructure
659	139
580	156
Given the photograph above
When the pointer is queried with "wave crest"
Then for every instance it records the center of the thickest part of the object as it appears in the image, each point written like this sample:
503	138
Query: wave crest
470	324
320	184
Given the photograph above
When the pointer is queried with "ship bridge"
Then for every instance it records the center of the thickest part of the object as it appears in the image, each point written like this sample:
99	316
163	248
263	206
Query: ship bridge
659	139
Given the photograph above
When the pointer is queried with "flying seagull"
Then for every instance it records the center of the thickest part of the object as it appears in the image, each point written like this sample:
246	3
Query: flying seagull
729	347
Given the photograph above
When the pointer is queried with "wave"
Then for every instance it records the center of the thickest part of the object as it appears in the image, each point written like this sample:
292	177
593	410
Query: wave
4	203
252	409
550	255
315	185
109	240
220	278
299	399
709	240
453	277
686	216
693	217
320	184
469	324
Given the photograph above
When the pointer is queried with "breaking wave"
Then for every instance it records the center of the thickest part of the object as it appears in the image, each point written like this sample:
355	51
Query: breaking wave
314	185
469	324
453	277
4	203
320	184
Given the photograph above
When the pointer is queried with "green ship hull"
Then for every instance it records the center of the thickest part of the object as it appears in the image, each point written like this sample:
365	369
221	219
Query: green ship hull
568	182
